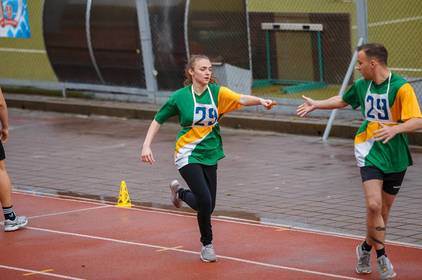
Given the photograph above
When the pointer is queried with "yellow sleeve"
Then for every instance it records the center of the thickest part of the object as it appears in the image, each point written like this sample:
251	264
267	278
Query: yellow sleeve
228	100
409	103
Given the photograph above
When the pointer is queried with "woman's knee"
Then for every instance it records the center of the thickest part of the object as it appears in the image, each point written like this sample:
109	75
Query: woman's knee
213	207
205	205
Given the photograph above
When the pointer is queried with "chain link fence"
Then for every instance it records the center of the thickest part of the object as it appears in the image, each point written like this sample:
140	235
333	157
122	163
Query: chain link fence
280	49
398	25
280	55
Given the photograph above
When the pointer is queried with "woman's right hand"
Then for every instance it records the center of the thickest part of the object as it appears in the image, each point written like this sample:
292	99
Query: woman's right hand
268	103
146	155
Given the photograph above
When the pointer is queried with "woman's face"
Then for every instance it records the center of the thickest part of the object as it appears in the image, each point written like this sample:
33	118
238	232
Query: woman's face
201	71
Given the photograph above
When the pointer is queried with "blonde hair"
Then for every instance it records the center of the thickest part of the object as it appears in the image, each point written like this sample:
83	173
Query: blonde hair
191	64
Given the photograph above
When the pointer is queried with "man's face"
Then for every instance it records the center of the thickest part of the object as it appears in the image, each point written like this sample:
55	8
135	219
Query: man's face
365	65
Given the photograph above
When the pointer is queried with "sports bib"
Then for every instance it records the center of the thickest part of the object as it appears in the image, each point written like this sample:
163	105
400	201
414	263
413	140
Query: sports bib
377	106
204	114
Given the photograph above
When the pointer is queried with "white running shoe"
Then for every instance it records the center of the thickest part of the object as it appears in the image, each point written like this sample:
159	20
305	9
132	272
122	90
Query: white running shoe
208	253
385	268
364	261
17	223
175	199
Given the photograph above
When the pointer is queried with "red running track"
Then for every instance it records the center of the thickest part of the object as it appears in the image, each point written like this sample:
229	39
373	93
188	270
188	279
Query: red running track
80	239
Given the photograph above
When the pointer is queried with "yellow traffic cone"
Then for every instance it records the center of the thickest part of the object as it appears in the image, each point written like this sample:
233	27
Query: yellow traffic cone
124	199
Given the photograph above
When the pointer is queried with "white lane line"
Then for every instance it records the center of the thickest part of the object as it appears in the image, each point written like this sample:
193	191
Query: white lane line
170	248
40	273
220	218
290	268
191	252
60	197
70	211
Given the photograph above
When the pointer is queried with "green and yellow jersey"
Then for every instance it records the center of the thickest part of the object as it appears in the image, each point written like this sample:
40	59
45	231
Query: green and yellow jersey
199	139
391	102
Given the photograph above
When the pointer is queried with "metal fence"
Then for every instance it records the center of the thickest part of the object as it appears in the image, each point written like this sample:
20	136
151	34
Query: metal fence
284	48
398	24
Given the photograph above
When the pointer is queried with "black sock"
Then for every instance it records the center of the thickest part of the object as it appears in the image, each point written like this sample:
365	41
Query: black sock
381	252
8	213
180	193
366	246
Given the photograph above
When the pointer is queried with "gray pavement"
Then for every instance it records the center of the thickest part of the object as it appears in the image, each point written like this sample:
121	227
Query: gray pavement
281	118
271	177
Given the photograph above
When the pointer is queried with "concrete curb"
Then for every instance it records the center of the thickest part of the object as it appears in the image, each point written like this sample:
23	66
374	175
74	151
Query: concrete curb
243	120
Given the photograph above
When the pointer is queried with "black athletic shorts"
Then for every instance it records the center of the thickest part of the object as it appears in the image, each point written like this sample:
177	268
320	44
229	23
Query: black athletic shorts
2	153
391	181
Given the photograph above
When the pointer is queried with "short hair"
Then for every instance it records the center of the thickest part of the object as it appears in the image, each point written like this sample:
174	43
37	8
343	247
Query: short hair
375	50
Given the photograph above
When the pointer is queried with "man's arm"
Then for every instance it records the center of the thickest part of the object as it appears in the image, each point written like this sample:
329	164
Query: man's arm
386	133
310	105
4	119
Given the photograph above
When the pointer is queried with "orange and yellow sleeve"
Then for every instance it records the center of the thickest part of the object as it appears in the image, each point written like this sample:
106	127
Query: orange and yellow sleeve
409	103
228	100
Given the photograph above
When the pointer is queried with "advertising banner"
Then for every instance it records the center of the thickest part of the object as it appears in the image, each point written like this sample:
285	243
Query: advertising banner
14	21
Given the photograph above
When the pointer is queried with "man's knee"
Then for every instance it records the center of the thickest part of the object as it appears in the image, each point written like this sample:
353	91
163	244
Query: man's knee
2	166
374	207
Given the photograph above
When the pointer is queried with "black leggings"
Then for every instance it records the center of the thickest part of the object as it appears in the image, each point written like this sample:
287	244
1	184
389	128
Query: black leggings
202	181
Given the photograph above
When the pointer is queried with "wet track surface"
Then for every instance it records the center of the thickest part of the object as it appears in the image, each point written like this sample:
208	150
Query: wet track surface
275	178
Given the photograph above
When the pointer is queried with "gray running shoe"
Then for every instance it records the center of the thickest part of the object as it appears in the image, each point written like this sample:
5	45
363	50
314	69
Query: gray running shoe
175	187
208	253
17	223
364	261
385	268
